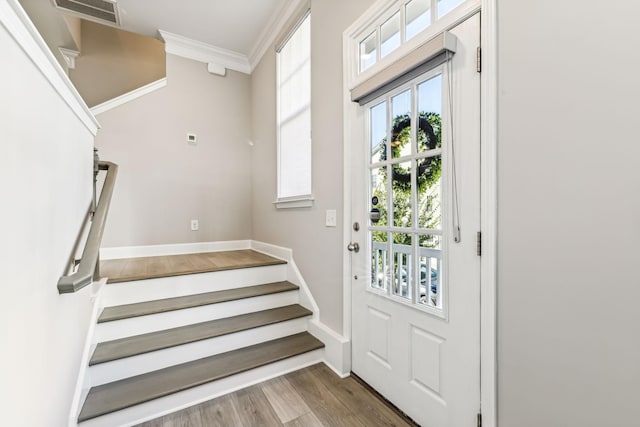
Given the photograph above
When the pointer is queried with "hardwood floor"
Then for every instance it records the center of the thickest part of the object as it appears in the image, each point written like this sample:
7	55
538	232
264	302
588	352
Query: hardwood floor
124	270
311	397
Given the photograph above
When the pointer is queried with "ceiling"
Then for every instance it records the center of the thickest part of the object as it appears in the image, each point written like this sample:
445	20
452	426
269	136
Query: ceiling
234	25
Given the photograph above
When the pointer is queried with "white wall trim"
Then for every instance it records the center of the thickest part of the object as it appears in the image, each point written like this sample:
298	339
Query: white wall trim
69	56
172	249
489	213
274	27
15	20
129	96
293	273
176	44
294	202
82	383
337	347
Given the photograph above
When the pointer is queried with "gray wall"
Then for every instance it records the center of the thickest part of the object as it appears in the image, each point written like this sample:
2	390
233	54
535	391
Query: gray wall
45	183
163	182
569	214
317	249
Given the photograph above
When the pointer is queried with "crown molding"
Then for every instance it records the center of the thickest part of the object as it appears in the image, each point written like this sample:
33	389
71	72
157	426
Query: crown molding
273	29
176	44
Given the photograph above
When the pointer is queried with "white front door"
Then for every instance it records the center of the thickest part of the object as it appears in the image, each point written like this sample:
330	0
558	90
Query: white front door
416	278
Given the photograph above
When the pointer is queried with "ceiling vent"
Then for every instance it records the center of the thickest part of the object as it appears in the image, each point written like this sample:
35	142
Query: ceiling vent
104	11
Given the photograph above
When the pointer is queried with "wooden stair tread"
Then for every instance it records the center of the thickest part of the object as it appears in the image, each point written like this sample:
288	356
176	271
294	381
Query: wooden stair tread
130	269
126	311
132	391
145	343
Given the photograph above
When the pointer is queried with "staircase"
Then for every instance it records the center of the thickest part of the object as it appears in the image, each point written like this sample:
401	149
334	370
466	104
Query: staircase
179	330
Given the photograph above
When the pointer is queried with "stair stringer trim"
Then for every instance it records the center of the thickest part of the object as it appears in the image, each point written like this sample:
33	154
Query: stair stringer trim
129	96
83	382
337	347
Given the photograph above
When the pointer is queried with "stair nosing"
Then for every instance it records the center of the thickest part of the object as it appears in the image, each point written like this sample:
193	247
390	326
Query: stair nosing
299	312
149	276
287	287
305	340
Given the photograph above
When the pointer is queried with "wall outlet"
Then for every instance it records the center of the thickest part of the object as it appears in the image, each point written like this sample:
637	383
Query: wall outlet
331	218
192	139
194	225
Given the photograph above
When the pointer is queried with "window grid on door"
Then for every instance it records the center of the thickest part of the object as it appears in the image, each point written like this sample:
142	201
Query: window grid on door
405	155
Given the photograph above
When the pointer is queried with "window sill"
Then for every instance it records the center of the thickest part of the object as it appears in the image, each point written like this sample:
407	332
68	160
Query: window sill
294	202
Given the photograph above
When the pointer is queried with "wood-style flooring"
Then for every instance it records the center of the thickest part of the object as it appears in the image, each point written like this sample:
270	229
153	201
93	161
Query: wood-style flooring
128	269
311	397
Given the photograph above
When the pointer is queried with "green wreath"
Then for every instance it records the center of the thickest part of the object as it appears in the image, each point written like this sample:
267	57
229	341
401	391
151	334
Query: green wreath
429	169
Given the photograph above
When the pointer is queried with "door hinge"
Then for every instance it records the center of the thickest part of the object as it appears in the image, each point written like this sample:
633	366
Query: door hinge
479	243
479	419
479	59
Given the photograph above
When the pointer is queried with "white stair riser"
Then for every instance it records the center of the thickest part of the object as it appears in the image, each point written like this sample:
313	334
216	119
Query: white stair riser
168	287
117	329
140	364
184	399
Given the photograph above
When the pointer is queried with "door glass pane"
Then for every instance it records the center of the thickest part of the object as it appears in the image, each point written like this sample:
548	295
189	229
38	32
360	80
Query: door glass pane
430	268
390	35
446	6
429	171
379	260
418	17
378	132
402	280
401	131
379	196
401	187
368	52
430	110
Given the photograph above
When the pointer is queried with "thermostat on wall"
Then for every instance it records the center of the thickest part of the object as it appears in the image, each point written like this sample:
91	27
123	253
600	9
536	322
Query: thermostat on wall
192	138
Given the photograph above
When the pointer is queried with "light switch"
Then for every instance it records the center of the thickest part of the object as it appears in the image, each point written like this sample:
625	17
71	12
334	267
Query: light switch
331	218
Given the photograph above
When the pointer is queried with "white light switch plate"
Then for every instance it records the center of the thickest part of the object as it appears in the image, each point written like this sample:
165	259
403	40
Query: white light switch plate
331	218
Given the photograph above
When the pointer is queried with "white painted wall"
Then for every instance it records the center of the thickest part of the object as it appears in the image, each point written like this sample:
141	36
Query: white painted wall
569	214
316	248
163	182
45	185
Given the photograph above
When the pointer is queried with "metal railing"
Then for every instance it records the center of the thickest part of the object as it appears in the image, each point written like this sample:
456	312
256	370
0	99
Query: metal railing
88	266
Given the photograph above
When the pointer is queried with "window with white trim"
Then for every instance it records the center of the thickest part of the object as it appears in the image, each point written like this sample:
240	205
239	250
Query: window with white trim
405	20
294	118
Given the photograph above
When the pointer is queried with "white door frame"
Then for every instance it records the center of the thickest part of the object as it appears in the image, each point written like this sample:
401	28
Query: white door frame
488	203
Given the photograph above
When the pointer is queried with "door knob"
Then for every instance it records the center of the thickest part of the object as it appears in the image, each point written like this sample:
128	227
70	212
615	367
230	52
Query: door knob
353	247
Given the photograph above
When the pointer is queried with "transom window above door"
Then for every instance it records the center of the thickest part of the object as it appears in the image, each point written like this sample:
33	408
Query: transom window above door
411	18
404	25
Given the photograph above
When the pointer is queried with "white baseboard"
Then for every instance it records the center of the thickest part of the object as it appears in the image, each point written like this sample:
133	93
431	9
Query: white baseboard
172	249
82	384
293	274
337	348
